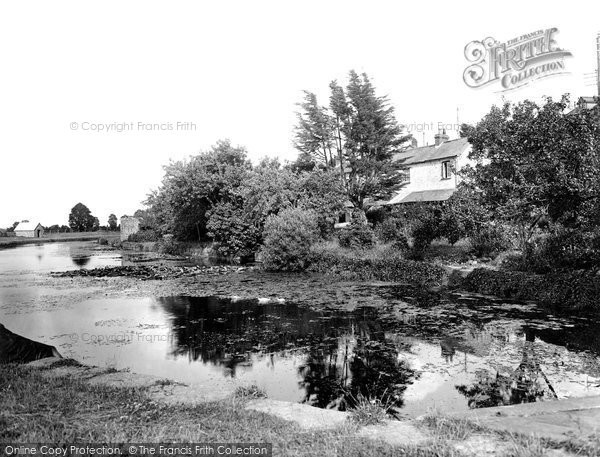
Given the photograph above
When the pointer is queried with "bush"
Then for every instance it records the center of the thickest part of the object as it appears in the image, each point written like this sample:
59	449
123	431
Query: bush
356	236
170	246
389	230
288	237
489	240
384	264
102	241
423	233
359	234
233	232
569	290
562	249
144	236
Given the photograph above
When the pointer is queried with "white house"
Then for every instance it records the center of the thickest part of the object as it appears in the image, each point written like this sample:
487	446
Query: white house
29	229
430	172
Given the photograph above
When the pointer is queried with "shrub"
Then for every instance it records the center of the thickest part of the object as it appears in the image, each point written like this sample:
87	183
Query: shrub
562	249
171	247
144	236
359	234
400	243
567	290
102	241
489	240
288	237
356	236
423	233
389	230
386	264
233	232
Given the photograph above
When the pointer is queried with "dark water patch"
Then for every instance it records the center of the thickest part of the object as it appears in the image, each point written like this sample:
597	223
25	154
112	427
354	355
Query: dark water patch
345	356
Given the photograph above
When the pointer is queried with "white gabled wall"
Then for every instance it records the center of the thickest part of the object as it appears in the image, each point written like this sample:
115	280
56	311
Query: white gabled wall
428	175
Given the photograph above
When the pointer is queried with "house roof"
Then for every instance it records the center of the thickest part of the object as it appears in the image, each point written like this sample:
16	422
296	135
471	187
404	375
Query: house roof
423	196
446	150
27	226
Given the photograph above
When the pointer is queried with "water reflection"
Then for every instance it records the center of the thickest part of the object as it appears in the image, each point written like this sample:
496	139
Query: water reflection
346	355
526	383
80	261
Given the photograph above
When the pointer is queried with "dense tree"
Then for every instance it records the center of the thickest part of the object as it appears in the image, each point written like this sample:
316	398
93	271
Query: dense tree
304	162
190	188
314	132
112	222
81	219
359	128
542	164
238	224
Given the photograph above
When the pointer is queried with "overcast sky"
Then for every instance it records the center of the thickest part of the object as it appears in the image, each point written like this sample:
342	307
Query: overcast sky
235	69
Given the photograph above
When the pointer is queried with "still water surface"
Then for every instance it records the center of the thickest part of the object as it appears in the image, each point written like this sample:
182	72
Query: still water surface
420	352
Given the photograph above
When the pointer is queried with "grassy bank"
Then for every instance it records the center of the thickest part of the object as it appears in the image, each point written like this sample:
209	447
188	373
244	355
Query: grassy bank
36	408
569	291
11	242
382	263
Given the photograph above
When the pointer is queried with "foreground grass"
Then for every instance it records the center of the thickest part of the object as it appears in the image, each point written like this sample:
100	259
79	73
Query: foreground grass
34	408
38	409
450	429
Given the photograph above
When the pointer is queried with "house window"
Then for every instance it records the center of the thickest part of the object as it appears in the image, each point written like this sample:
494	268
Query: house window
446	169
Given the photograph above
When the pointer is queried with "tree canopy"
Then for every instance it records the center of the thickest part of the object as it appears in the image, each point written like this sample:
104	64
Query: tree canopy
220	195
358	133
541	163
81	218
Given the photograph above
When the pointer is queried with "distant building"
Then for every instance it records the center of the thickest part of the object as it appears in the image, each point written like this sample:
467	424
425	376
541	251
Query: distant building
129	226
585	103
29	229
430	173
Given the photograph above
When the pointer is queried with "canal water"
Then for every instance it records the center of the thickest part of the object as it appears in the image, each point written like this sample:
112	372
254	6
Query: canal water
420	352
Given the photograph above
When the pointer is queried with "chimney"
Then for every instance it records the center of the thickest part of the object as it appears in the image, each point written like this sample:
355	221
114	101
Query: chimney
441	137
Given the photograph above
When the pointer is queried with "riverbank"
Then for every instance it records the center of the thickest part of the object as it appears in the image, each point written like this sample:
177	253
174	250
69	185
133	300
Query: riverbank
570	291
54	400
12	242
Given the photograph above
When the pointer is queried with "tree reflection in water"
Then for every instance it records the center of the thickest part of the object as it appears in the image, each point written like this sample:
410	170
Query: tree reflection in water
527	383
81	261
346	355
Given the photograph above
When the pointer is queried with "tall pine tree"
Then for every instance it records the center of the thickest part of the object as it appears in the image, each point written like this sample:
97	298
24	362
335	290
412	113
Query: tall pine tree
360	131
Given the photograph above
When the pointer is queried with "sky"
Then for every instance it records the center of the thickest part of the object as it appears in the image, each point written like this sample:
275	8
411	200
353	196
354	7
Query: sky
205	71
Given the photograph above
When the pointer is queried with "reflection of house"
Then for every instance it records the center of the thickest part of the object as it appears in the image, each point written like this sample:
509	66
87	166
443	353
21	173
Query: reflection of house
29	229
430	171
